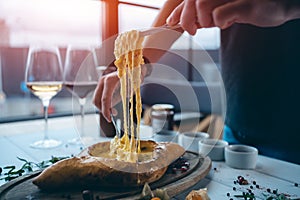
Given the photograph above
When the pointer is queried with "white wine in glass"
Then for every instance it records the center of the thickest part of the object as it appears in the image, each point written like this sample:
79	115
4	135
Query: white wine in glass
44	78
81	78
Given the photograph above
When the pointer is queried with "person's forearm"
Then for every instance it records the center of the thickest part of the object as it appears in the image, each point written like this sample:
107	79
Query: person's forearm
156	45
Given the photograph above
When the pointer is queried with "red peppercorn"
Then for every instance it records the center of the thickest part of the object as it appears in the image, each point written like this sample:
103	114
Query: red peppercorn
184	169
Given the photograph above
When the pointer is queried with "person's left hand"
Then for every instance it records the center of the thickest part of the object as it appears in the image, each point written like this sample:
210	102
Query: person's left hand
193	14
106	94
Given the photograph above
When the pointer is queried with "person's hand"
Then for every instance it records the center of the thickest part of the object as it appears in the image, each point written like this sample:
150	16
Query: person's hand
106	94
193	14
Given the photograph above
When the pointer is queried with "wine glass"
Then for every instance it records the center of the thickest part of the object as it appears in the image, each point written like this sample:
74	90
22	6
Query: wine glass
81	78
44	78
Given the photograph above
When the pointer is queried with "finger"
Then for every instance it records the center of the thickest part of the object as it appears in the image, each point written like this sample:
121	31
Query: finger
114	111
204	10
237	11
98	94
174	18
188	17
108	90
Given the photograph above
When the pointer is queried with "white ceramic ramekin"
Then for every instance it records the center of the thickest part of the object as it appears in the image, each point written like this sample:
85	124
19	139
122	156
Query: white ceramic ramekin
241	156
213	148
190	140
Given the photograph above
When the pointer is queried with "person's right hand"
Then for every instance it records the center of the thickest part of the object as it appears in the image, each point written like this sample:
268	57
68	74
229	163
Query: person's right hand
107	94
193	14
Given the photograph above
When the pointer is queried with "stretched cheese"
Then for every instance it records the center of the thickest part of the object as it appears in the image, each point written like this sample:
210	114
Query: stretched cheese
129	58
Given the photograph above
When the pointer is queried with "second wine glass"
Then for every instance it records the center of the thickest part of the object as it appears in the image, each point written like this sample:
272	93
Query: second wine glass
80	78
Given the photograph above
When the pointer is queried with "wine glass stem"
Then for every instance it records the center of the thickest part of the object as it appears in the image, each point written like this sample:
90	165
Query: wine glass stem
46	106
82	102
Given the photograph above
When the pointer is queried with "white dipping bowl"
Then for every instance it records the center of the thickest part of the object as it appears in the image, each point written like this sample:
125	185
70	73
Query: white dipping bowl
166	136
241	156
213	148
190	140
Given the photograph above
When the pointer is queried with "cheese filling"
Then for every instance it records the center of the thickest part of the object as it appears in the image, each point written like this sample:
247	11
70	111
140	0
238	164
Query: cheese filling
129	58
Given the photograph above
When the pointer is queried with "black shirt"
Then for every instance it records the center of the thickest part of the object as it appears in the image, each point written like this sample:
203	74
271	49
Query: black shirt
261	73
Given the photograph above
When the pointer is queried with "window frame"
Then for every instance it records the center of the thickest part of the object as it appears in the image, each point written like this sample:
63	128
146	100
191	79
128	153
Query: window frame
110	16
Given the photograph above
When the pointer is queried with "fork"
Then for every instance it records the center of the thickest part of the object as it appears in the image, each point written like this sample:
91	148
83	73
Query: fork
159	29
118	132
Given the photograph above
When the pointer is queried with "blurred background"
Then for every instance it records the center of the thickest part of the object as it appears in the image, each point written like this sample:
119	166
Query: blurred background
84	22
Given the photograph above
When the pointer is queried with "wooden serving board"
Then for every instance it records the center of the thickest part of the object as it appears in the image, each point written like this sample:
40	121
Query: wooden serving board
173	183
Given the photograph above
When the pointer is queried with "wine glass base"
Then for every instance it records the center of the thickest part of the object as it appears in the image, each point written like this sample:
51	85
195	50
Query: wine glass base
86	141
75	141
46	144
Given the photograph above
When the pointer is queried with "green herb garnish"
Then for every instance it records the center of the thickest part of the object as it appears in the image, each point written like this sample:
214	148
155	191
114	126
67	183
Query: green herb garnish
12	173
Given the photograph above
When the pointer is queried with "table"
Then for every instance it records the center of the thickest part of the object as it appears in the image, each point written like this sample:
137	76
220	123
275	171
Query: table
270	174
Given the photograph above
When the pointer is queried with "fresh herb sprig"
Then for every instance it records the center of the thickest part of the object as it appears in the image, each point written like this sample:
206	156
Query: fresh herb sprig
12	172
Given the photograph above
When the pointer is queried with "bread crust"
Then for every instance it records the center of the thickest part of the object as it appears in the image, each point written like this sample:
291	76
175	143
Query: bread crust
89	170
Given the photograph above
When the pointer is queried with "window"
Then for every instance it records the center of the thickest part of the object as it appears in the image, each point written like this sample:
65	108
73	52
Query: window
41	22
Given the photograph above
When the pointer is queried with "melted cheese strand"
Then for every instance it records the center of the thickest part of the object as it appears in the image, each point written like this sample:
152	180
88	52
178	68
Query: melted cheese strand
128	53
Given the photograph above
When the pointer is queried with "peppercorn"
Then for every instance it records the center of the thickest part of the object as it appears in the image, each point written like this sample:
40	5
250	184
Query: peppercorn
187	164
0	170
274	191
183	168
254	182
234	188
234	182
269	190
251	187
296	184
228	194
87	195
257	186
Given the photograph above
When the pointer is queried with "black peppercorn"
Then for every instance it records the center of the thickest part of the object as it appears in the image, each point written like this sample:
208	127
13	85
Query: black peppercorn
254	182
257	186
0	170
228	194
87	195
269	190
274	191
251	187
296	184
234	188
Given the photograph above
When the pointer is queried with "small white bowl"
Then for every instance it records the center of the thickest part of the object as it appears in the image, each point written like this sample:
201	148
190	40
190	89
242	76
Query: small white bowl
241	156
166	136
213	148
190	140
